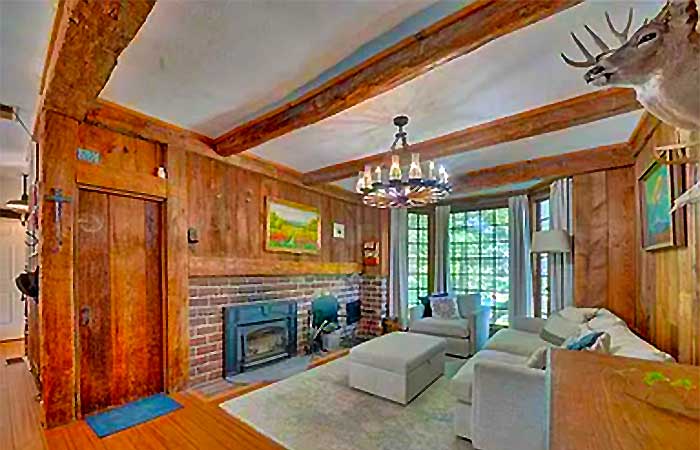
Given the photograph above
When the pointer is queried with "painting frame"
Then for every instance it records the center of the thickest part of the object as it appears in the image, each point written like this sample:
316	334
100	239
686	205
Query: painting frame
675	234
278	205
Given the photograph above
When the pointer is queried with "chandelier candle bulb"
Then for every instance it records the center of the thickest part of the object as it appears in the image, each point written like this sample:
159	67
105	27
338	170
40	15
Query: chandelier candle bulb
443	175
415	172
360	185
368	177
395	169
378	174
398	192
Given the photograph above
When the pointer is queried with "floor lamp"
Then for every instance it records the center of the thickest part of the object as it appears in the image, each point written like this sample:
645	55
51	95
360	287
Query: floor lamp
556	243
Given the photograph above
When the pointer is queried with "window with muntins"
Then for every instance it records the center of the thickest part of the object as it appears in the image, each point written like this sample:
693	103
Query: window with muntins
479	252
417	257
541	269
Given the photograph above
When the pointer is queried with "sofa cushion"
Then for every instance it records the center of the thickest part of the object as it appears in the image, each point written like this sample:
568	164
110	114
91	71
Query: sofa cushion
515	342
557	329
623	342
397	352
461	383
467	304
457	328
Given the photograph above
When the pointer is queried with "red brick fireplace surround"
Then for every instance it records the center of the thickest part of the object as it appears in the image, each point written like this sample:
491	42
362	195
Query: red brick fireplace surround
208	296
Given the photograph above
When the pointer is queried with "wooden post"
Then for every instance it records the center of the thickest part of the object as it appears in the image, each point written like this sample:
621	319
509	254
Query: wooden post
58	137
177	346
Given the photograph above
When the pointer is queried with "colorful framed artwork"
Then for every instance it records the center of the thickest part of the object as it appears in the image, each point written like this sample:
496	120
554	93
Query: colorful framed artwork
292	227
658	186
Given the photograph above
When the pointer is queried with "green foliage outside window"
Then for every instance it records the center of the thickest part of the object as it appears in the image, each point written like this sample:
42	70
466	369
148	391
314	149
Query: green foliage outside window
479	252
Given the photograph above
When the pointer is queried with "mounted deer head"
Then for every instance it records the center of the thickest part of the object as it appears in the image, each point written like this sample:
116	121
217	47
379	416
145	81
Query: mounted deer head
661	62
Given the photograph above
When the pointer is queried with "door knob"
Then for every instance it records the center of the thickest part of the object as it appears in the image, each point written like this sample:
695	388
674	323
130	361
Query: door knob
84	316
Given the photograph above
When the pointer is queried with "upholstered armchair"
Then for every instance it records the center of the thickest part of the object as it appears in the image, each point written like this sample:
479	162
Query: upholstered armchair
465	334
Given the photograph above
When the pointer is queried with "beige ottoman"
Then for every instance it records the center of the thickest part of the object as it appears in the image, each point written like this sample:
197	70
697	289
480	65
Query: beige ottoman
397	366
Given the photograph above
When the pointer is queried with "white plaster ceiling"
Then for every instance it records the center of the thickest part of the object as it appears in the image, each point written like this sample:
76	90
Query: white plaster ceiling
25	26
210	65
518	72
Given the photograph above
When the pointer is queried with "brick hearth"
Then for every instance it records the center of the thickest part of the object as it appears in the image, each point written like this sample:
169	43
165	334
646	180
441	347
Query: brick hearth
208	296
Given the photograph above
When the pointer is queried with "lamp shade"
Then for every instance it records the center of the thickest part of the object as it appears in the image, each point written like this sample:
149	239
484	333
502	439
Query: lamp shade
551	241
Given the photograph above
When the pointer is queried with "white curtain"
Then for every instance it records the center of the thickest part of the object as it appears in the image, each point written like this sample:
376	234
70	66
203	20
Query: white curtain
520	267
561	273
441	248
398	266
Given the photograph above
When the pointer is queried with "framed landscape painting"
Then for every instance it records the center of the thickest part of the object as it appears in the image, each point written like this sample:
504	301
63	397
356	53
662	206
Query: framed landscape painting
292	227
657	187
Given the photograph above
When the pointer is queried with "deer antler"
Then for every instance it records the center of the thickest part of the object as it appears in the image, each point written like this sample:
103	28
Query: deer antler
621	36
599	42
590	59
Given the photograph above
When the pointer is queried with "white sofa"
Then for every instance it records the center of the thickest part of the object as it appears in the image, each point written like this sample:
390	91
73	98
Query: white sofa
501	402
465	335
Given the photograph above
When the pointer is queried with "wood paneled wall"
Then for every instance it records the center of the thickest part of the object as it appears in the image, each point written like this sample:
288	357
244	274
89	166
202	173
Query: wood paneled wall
668	294
222	199
227	208
605	272
656	292
128	165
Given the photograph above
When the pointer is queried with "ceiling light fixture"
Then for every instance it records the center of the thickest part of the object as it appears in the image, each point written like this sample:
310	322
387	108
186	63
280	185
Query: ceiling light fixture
399	191
21	205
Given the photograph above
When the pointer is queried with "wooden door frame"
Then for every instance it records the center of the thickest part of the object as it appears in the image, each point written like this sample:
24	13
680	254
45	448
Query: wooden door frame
58	169
162	202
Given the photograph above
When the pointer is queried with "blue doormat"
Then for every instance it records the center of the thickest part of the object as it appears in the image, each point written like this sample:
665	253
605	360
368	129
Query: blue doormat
134	413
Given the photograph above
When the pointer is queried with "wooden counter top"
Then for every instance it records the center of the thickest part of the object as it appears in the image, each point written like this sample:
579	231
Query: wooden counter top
589	408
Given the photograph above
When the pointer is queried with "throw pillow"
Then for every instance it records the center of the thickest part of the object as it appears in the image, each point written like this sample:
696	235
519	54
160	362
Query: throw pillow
585	341
578	315
602	344
425	301
604	320
538	358
556	329
443	308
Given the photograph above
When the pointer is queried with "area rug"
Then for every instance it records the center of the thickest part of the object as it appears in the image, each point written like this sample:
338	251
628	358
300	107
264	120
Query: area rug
131	414
317	410
273	372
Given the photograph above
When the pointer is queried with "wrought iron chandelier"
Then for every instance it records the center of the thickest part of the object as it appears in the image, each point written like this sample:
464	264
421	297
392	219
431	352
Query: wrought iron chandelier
397	190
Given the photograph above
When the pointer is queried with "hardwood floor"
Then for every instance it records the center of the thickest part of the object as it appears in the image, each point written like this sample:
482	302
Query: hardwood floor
20	415
199	425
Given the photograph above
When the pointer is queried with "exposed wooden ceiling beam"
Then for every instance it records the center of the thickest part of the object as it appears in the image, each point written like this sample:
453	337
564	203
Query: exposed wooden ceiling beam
551	167
545	119
454	36
486	200
643	132
86	40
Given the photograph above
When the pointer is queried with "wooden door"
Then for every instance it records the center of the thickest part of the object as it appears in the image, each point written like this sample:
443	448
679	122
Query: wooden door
11	264
119	292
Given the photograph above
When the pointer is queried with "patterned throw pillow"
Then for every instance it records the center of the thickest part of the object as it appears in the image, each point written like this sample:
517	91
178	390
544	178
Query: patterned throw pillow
602	344
443	308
